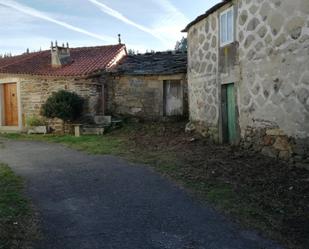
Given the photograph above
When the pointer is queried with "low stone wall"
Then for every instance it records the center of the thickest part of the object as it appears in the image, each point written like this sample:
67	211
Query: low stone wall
273	142
35	92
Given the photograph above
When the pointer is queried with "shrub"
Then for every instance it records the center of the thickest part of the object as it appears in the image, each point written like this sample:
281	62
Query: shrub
64	105
35	121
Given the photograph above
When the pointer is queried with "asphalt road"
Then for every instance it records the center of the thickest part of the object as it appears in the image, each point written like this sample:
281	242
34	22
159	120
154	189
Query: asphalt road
104	202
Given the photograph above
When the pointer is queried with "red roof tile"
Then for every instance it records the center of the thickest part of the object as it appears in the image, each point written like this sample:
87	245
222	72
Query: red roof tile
86	60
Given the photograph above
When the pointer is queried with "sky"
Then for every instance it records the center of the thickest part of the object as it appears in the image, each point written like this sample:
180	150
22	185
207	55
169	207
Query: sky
143	24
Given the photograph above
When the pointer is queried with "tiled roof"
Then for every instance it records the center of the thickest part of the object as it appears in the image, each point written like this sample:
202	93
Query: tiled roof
153	64
85	61
206	14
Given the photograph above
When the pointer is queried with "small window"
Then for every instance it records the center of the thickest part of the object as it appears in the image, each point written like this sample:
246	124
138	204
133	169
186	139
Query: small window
226	27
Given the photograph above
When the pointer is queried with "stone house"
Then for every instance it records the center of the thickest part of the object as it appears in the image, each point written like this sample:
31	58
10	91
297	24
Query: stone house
150	86
26	81
248	75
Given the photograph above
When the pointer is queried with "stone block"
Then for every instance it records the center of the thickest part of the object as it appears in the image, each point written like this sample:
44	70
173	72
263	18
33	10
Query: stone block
275	22
249	41
275	132
282	144
190	127
268	140
265	9
100	119
262	31
253	23
37	130
243	17
280	40
253	9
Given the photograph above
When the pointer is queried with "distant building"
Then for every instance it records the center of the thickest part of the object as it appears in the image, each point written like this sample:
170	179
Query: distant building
150	86
248	75
26	81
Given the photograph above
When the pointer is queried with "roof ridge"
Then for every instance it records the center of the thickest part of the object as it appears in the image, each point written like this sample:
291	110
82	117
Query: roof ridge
206	14
102	46
21	60
76	48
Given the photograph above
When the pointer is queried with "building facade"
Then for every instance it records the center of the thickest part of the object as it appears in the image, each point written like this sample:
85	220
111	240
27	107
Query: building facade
26	81
150	86
248	75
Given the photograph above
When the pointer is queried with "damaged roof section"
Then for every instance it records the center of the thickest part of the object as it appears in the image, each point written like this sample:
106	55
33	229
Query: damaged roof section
206	14
153	64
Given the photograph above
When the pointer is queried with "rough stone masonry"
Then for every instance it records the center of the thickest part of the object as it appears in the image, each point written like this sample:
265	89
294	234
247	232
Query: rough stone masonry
269	64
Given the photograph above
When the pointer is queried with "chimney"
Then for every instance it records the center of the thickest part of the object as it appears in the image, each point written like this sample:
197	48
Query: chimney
60	55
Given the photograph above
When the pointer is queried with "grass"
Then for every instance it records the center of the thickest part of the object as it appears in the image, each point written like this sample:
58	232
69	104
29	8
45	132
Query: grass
16	218
90	144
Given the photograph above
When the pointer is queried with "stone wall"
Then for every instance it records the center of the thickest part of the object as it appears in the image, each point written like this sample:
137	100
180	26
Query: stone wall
141	96
202	76
34	92
270	71
274	91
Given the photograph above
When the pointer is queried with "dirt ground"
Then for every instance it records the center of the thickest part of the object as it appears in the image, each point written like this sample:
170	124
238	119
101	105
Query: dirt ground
259	191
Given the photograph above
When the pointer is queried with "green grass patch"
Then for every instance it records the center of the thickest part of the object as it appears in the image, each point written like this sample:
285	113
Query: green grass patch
90	144
17	228
12	203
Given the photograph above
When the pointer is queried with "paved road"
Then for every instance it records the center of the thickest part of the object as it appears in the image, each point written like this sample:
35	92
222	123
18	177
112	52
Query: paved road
103	202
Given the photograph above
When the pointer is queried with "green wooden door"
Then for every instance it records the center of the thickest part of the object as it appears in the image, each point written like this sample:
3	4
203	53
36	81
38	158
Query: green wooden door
231	114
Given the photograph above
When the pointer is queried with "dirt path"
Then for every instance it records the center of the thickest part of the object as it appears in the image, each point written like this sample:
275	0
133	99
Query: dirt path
104	202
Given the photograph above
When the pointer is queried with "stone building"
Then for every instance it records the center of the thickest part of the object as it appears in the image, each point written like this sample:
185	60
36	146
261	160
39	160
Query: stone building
248	75
26	81
150	86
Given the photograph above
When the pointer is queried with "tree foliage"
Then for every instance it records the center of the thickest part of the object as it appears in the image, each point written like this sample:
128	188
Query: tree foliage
64	105
182	45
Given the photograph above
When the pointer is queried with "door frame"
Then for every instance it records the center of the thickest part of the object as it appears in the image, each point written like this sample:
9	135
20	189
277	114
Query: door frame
165	82
2	119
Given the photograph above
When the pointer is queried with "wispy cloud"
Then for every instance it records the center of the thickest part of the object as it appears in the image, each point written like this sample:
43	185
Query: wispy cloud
170	23
41	15
171	9
116	14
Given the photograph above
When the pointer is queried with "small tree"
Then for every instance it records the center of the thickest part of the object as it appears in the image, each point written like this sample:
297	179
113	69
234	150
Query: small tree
182	45
64	105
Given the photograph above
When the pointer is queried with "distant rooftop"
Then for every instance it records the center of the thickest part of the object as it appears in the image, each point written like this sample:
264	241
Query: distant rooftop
85	60
153	64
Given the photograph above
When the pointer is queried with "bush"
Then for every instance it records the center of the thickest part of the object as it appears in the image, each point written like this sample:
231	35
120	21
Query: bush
64	105
35	121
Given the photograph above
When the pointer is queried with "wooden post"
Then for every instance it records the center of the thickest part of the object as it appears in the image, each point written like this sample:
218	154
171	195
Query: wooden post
77	130
103	99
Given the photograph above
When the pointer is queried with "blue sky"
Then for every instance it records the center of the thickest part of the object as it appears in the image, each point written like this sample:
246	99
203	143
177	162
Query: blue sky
143	24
